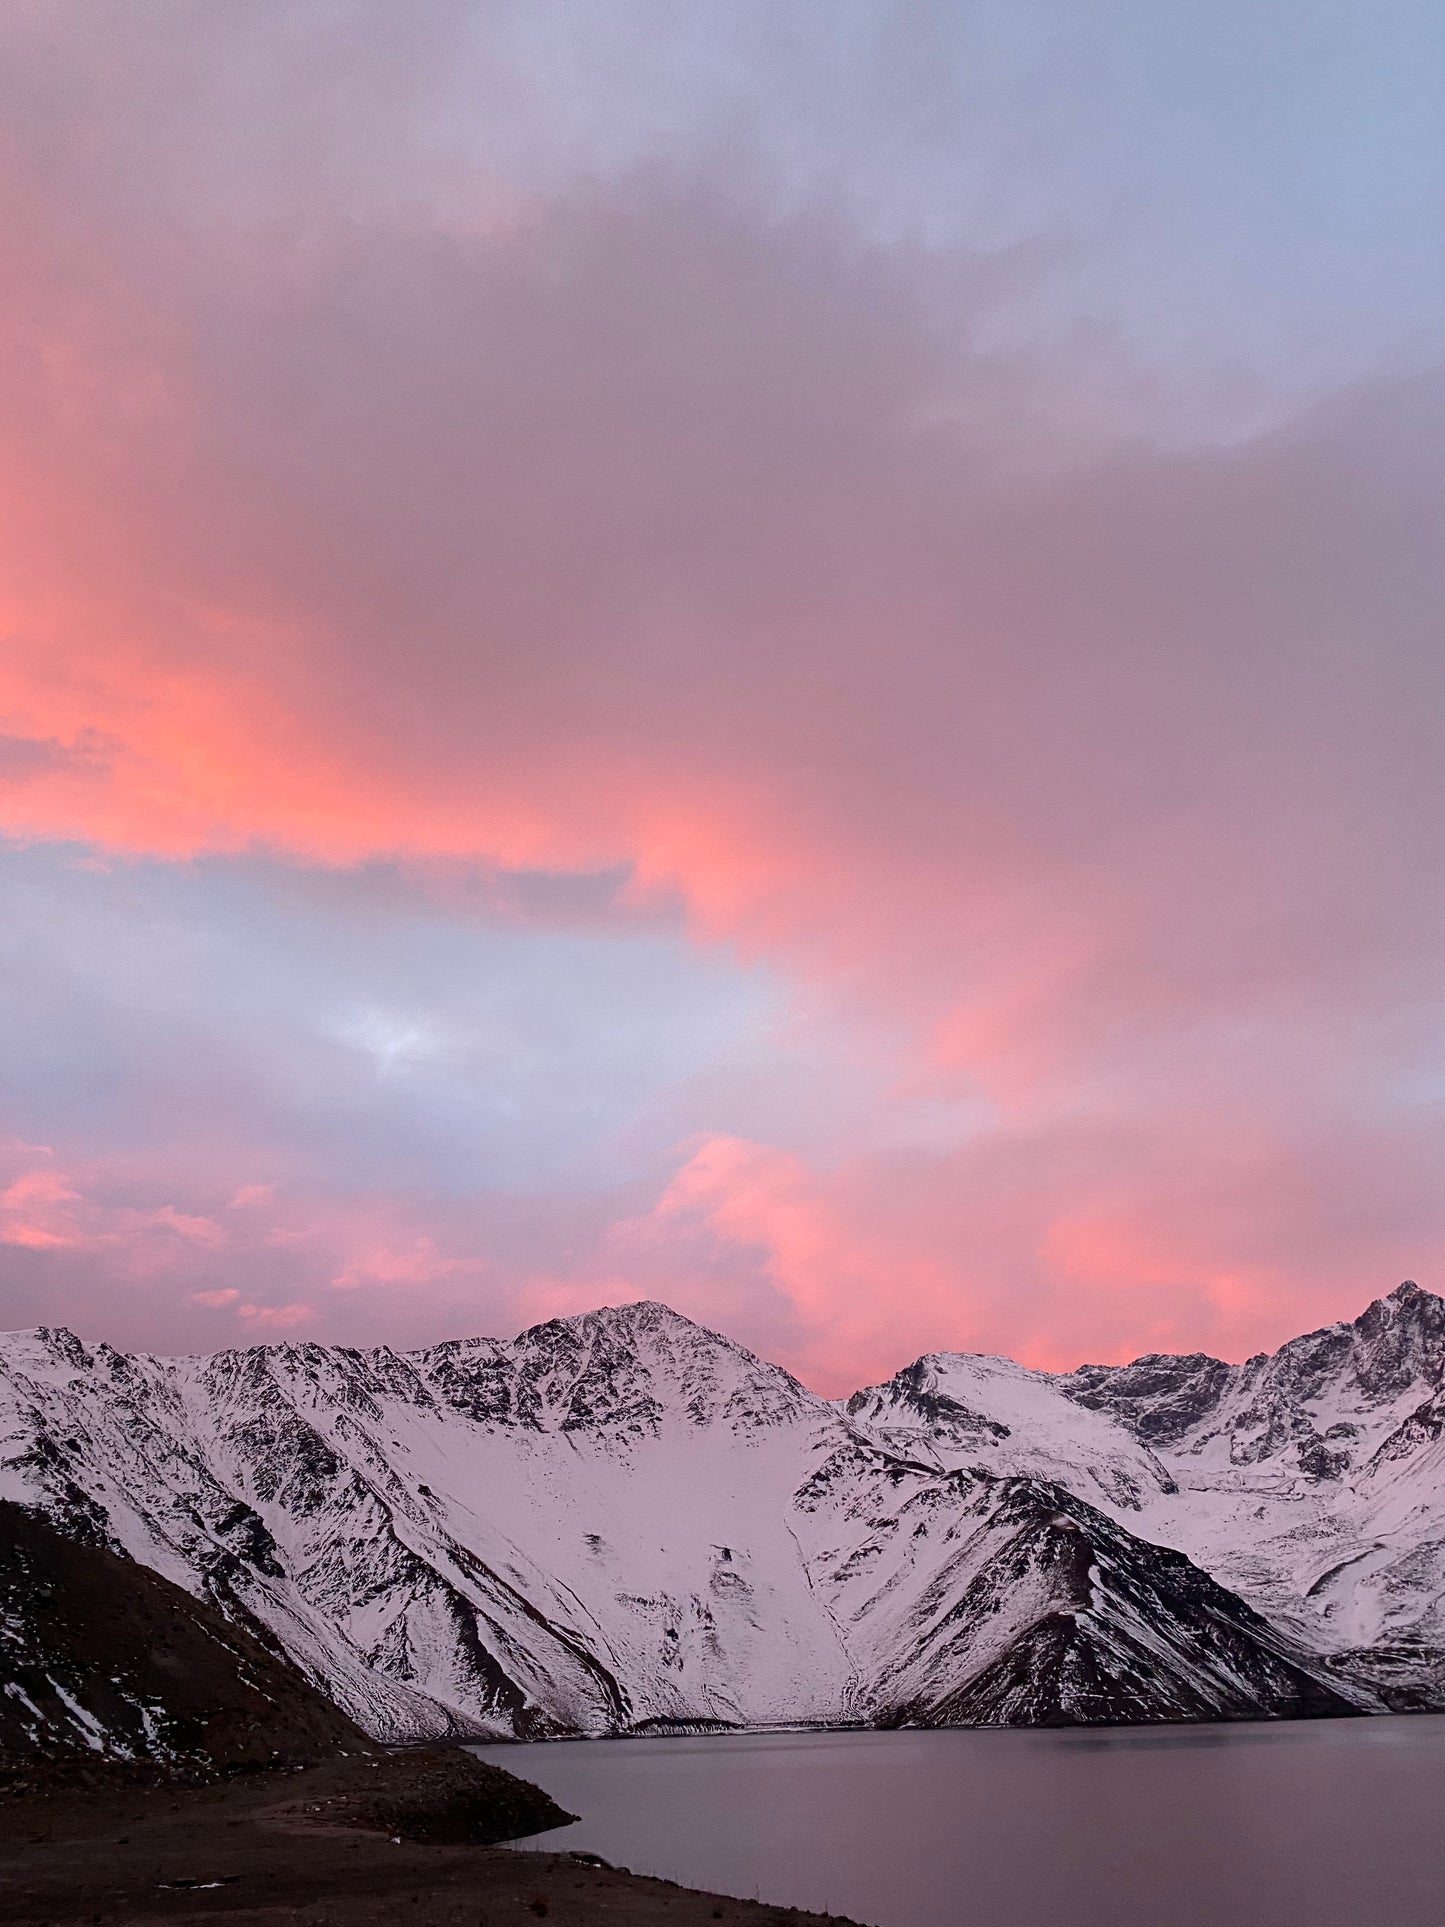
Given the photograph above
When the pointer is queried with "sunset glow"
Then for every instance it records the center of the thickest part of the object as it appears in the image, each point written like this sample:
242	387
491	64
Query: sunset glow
796	673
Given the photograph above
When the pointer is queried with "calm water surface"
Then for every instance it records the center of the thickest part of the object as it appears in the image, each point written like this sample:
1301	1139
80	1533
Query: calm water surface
1329	1823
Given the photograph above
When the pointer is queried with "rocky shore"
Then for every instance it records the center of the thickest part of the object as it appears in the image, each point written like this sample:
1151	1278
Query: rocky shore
351	1843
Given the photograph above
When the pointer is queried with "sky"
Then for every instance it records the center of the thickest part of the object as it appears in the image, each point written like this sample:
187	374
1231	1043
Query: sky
784	657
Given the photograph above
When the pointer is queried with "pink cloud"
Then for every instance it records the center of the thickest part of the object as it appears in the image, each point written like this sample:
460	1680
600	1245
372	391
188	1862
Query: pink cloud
850	1294
42	1209
638	531
419	1263
276	1317
250	1196
1050	1246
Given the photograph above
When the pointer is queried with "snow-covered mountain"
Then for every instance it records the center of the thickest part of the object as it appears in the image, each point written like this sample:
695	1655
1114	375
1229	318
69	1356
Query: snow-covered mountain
622	1522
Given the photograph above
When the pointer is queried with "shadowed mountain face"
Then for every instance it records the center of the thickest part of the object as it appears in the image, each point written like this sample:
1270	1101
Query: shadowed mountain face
1116	1630
623	1521
100	1658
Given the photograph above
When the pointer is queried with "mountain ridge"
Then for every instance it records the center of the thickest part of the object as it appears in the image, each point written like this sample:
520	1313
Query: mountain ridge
623	1520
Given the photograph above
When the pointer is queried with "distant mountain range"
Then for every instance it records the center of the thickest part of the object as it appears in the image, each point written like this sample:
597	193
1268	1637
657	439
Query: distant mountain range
623	1522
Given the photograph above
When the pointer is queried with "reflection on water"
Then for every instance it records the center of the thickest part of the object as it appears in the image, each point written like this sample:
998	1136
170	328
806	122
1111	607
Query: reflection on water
1328	1823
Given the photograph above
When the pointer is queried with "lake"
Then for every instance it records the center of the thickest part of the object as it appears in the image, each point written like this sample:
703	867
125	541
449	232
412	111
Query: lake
1329	1823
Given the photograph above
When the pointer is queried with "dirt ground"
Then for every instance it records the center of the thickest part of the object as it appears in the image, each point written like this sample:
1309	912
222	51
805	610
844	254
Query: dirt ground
353	1843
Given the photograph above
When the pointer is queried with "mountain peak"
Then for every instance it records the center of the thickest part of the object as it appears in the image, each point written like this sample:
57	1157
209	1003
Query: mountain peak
638	1315
43	1346
1407	1302
617	1369
1406	1291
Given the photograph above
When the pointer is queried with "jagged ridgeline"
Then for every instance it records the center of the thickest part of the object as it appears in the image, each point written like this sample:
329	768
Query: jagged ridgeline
624	1522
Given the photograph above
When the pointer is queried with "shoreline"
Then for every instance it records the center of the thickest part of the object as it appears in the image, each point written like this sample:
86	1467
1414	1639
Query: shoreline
681	1730
314	1847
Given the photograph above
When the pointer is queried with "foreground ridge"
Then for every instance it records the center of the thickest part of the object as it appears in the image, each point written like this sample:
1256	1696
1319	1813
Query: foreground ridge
624	1522
100	1658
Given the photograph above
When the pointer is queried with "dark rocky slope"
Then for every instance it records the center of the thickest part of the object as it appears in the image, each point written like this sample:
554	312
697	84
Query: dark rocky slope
102	1660
1116	1631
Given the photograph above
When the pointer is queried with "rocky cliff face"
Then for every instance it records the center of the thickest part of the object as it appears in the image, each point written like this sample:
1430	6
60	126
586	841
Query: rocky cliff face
1311	1479
622	1521
1316	1409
